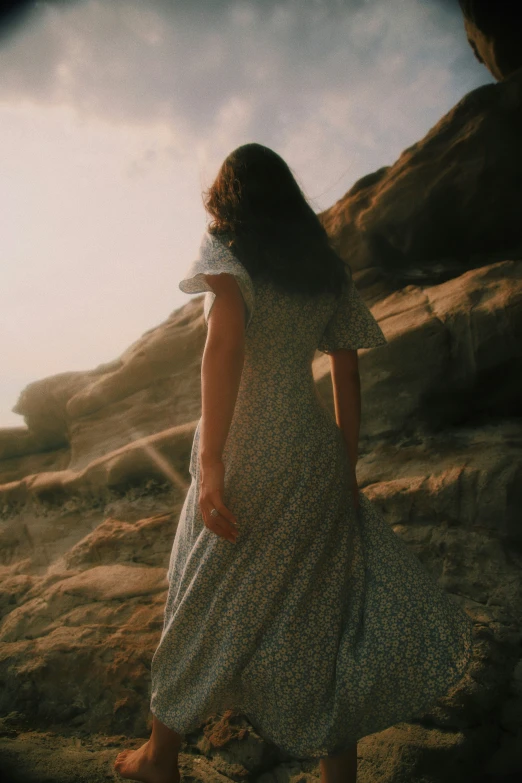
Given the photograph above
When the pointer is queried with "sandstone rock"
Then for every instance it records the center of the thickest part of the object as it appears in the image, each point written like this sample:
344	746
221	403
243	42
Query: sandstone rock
449	203
147	390
494	31
16	442
162	457
454	354
13	468
24	452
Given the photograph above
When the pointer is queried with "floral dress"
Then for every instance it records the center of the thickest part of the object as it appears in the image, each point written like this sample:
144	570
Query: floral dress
319	625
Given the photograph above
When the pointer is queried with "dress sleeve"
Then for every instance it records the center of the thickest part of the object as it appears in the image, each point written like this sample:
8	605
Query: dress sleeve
215	257
352	324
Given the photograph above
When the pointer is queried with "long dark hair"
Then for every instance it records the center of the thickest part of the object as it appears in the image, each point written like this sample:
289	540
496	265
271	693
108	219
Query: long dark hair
261	213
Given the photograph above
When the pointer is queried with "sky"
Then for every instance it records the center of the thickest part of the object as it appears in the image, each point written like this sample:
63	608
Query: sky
115	115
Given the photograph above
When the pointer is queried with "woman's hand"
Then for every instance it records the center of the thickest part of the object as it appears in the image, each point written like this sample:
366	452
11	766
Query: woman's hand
212	486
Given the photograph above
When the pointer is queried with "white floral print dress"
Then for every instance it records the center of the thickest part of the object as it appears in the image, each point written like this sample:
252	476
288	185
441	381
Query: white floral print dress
319	625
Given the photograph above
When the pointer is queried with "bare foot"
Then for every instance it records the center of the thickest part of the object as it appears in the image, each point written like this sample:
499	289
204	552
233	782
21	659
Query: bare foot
143	765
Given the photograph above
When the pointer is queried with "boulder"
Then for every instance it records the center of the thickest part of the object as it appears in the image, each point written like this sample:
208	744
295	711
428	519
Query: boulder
451	202
494	31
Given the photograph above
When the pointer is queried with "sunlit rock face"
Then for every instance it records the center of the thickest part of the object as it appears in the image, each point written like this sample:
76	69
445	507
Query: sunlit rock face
76	419
494	30
451	201
92	487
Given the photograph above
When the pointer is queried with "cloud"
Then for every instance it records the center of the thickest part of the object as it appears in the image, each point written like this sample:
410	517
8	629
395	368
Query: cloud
287	73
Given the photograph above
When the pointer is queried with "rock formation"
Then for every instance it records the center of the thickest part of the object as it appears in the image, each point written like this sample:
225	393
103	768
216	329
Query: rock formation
494	30
91	489
451	202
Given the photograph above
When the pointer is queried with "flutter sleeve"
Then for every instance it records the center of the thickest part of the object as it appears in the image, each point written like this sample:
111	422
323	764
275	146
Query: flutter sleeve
352	324
215	257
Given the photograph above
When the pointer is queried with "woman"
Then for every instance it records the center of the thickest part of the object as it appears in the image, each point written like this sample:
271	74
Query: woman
290	599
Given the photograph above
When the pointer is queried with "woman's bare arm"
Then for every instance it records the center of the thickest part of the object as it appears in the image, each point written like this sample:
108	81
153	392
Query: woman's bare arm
221	366
346	382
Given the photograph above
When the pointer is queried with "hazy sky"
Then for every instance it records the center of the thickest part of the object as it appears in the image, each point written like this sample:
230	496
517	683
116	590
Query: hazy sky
114	114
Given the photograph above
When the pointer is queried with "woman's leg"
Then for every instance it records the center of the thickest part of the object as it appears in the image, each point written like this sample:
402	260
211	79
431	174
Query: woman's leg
340	767
154	762
164	740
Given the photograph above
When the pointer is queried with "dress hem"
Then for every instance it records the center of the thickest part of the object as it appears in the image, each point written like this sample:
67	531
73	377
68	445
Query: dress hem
348	744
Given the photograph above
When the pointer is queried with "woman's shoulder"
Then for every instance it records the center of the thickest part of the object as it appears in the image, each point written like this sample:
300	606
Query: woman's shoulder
215	252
